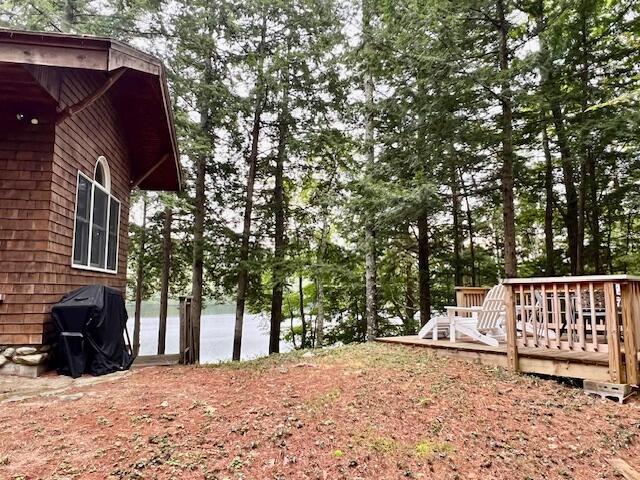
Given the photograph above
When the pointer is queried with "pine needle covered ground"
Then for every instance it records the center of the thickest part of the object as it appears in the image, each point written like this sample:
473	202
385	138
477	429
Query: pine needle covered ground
359	412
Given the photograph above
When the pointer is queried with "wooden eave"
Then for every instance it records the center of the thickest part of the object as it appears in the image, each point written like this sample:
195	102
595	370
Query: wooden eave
105	55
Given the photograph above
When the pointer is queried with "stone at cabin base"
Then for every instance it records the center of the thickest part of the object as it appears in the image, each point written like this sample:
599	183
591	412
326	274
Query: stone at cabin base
24	361
26	350
35	359
9	352
28	371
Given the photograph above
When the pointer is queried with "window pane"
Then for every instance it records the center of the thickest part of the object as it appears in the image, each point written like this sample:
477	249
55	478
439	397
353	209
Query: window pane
100	174
114	221
81	240
99	228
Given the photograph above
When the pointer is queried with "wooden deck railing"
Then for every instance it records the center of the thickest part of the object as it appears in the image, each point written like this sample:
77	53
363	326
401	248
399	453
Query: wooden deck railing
582	314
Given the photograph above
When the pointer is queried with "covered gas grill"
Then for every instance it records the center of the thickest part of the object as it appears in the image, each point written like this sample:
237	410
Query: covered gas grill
91	324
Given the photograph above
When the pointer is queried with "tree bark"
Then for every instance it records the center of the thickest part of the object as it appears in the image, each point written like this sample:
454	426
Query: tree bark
243	273
319	335
164	280
455	207
471	231
371	283
409	300
140	279
70	16
424	273
508	211
279	220
198	247
303	319
550	269
552	97
589	180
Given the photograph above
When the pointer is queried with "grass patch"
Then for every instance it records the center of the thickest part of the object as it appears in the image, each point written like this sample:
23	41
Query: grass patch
426	448
323	401
354	357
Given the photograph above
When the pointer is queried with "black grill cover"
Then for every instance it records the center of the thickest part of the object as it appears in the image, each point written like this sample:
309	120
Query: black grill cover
91	323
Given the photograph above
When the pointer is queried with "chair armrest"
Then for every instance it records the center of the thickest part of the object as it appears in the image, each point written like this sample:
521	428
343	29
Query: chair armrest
463	309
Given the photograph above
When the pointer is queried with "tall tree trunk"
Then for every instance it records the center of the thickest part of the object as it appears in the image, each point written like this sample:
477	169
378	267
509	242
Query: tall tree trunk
243	273
589	181
164	280
508	212
471	231
279	212
550	269
140	279
319	336
303	319
371	283
596	234
552	97
320	314
627	242
70	16
409	300
200	214
198	247
424	273
457	227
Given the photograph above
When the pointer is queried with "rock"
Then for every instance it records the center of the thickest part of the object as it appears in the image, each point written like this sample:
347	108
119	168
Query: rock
35	359
71	397
9	352
26	350
44	348
3	360
308	354
164	404
3	348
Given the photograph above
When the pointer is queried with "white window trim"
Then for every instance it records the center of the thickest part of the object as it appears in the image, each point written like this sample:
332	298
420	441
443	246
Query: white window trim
94	184
102	161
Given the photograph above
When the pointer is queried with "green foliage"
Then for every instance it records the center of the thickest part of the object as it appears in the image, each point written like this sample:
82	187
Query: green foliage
438	91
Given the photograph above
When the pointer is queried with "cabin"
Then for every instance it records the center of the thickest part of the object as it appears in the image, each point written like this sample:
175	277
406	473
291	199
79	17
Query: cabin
83	121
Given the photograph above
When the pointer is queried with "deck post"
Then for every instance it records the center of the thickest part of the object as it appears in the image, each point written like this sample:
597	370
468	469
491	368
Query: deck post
512	337
186	332
629	303
616	371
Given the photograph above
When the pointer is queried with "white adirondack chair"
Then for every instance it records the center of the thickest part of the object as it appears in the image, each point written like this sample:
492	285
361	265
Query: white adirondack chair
484	325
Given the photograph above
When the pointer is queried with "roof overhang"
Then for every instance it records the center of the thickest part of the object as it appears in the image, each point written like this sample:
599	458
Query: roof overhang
141	95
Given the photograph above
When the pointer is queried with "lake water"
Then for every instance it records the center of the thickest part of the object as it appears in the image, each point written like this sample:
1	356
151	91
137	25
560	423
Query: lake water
216	336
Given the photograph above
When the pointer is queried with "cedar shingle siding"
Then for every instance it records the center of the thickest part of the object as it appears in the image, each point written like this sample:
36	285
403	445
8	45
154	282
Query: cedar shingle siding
38	174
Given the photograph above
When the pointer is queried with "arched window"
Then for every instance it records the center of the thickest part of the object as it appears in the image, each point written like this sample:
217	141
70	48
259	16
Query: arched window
102	175
97	221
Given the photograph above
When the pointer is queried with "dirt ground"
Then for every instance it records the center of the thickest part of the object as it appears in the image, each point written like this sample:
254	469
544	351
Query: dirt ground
362	412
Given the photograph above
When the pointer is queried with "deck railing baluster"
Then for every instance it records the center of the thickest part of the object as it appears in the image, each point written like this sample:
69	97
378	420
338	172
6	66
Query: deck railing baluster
556	315
523	317
594	320
580	317
534	315
545	315
568	316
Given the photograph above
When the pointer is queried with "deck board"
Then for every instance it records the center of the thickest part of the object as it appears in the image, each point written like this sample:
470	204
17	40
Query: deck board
156	360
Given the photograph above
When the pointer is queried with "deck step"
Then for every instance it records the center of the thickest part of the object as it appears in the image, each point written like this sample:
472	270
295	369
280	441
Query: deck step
617	391
156	360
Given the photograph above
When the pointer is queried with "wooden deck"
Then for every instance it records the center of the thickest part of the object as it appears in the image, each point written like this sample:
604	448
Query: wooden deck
157	360
561	363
